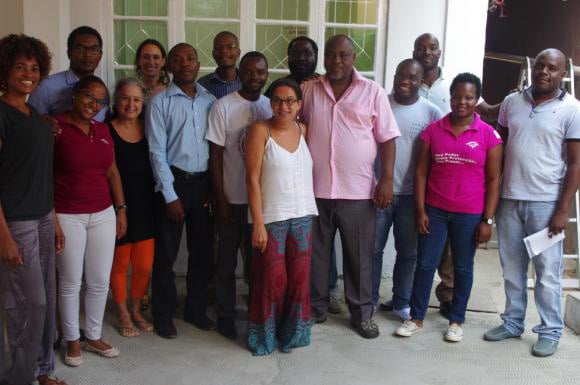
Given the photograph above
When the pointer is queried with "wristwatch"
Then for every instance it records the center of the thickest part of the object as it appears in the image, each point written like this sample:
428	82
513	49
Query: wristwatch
123	206
488	221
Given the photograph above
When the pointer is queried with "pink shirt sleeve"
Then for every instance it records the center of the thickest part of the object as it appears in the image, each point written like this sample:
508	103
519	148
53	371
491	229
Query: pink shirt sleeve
385	125
493	137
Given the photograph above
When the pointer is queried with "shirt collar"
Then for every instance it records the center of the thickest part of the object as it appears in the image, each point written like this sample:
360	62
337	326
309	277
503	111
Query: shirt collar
173	89
70	78
528	93
355	79
474	126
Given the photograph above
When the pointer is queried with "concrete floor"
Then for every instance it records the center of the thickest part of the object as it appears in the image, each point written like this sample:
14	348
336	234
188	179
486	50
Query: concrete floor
339	356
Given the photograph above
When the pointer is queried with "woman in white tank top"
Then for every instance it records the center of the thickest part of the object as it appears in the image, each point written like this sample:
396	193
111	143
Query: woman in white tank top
281	199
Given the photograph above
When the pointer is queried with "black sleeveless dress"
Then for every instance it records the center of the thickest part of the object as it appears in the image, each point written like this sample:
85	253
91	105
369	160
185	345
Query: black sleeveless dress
138	187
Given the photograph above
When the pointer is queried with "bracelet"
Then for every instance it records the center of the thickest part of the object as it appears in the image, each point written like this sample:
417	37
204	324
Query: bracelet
123	206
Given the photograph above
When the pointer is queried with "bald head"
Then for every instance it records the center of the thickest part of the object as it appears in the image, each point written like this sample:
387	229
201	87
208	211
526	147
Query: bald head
339	39
547	73
426	50
339	59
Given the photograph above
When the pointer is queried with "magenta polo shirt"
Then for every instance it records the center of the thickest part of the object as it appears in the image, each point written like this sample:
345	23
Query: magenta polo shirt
81	163
456	181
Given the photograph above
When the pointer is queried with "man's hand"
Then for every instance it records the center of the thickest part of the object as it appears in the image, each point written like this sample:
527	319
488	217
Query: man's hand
59	239
483	233
9	253
422	222
383	194
259	237
558	223
174	211
52	122
121	223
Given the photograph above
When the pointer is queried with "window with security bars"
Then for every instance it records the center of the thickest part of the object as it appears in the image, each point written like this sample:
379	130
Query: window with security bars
262	25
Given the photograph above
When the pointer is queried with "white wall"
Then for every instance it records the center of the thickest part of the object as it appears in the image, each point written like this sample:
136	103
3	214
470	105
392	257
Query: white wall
11	17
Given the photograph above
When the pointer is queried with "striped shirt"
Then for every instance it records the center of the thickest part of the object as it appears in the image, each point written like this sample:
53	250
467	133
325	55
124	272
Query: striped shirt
218	87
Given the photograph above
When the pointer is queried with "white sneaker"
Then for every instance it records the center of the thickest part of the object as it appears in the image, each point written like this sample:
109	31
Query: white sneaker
454	333
404	314
408	328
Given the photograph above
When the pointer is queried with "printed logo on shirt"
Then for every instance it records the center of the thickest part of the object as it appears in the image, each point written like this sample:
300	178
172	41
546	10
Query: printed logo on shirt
472	144
452	158
104	141
497	135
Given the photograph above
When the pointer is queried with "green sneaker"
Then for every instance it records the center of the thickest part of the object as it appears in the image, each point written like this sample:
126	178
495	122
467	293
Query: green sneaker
499	333
545	347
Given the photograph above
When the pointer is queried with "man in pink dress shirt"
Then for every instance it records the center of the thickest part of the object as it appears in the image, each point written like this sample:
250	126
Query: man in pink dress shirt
349	121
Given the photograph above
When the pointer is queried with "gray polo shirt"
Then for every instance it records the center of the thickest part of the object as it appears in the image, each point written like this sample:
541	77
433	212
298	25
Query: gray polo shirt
412	120
438	93
535	153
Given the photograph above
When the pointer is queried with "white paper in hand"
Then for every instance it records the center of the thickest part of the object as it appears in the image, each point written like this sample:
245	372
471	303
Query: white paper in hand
540	241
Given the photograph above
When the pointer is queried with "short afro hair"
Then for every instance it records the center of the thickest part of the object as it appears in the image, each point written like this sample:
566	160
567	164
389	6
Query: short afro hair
466	77
13	46
83	30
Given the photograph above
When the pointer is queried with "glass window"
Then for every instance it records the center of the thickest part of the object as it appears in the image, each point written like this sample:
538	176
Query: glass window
272	41
351	11
140	7
130	33
282	9
213	8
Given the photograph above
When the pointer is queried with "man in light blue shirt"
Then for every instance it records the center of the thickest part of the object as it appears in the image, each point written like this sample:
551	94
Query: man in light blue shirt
175	126
54	95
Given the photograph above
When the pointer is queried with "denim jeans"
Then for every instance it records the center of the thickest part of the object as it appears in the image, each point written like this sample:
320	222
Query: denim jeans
400	215
460	228
516	220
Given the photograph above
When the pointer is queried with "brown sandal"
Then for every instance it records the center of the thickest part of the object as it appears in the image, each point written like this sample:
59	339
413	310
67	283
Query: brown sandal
127	331
49	379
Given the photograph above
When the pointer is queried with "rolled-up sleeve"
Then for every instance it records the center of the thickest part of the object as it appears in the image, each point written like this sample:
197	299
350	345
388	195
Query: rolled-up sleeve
156	132
385	126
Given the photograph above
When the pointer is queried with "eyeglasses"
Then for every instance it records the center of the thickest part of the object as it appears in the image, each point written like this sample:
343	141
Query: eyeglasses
92	50
289	102
91	99
225	46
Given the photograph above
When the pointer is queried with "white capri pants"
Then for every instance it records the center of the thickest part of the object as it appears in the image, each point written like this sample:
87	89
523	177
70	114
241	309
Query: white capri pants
89	249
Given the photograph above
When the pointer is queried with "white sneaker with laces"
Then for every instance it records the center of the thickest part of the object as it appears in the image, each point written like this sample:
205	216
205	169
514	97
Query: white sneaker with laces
454	333
408	328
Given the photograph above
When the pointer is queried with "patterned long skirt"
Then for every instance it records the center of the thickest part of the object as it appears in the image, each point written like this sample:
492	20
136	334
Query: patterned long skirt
279	308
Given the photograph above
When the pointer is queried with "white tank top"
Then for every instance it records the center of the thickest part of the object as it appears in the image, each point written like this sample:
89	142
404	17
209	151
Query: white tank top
286	183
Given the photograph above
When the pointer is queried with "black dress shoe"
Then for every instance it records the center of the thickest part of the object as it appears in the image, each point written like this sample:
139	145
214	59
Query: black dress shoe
200	321
445	309
227	328
386	306
165	328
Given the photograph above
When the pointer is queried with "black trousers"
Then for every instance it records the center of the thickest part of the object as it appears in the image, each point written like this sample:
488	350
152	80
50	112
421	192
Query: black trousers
193	194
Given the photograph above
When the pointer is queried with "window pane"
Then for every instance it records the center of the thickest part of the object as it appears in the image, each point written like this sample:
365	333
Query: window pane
364	45
214	8
351	11
140	7
130	33
272	41
282	9
201	34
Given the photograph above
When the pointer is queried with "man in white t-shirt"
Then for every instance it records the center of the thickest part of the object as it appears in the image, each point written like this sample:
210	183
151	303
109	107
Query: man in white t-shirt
413	113
228	120
436	89
541	127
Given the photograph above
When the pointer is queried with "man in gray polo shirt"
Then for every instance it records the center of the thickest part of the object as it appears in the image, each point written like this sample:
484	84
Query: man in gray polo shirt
541	127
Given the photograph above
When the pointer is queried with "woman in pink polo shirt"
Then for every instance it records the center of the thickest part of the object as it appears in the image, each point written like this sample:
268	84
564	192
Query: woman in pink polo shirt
87	193
456	193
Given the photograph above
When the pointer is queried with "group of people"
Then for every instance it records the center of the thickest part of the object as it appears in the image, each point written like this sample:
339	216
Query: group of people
273	177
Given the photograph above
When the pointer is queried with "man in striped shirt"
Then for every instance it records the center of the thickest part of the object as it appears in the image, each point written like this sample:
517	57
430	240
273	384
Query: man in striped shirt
225	79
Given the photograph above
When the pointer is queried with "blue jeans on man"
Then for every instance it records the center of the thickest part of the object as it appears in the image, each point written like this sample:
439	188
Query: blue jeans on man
515	220
460	229
401	216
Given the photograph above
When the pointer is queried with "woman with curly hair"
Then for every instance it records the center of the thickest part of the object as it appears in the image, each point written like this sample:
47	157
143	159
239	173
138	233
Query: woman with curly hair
151	68
27	220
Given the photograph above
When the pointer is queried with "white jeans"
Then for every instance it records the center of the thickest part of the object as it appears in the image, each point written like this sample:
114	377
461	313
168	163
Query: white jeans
89	248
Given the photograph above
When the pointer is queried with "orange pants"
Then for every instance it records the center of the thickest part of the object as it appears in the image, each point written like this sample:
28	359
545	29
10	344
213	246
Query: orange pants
140	255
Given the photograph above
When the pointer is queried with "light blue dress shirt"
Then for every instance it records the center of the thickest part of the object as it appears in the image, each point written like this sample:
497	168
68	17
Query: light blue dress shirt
175	126
54	95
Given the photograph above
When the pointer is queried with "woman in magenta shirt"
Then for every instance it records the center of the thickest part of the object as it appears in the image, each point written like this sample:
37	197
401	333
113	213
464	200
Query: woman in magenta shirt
87	195
456	193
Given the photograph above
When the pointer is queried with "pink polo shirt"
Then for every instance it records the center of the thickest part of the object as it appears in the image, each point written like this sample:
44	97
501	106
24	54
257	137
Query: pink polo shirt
456	181
343	135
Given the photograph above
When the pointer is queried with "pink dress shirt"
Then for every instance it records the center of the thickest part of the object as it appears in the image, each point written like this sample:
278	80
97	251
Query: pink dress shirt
343	135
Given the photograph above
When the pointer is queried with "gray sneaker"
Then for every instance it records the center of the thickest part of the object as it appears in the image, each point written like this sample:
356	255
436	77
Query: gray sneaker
499	333
545	347
366	328
334	305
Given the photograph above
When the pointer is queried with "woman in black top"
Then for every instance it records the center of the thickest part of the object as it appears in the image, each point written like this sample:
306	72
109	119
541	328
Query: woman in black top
27	220
137	247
